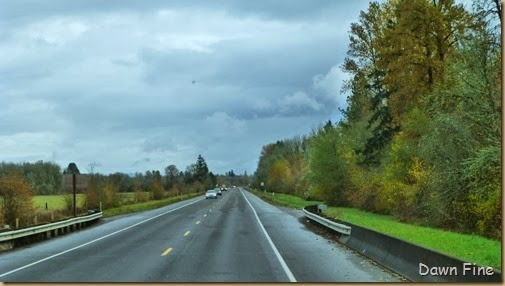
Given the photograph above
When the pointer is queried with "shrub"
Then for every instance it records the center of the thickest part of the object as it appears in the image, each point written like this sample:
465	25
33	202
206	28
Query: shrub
17	200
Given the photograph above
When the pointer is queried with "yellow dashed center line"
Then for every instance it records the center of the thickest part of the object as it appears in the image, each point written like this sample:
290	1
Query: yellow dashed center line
166	251
198	222
186	233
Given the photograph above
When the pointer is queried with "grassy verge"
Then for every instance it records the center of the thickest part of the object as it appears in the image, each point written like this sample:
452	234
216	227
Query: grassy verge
472	248
126	209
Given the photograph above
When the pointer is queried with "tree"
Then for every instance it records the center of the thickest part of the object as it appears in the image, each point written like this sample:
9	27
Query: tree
140	196
110	194
421	36
328	169
201	170
44	178
369	93
211	180
71	169
171	175
381	121
17	199
93	195
189	174
156	186
280	177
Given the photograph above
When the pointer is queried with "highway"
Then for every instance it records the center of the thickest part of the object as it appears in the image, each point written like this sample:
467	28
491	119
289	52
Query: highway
236	238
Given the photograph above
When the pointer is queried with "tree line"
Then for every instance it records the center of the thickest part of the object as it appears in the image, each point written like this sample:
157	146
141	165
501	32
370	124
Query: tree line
420	138
19	182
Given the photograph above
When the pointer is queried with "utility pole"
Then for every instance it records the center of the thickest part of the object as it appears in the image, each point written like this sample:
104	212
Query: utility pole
74	187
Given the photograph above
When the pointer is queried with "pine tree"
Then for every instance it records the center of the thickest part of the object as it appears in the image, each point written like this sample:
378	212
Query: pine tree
201	170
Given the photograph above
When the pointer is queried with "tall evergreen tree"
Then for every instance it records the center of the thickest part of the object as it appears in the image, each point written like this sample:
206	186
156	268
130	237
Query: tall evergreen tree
201	170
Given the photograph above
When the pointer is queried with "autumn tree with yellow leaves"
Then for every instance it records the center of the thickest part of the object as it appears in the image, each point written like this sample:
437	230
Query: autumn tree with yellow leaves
16	200
420	138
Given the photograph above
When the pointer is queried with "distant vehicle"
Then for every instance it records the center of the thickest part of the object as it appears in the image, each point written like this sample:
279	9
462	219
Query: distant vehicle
223	188
218	191
211	194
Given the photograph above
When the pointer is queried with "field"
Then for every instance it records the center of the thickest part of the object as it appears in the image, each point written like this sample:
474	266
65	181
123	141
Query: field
56	205
55	202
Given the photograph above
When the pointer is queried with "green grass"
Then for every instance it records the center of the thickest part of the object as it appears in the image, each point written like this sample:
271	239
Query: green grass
472	248
54	202
284	199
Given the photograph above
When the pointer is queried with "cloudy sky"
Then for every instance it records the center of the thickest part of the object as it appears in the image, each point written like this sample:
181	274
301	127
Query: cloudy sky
138	85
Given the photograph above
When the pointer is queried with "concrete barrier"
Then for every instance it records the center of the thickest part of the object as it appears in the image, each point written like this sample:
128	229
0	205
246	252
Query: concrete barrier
416	263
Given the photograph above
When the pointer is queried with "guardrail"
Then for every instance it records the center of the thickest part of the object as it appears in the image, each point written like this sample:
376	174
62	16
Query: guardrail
60	226
344	229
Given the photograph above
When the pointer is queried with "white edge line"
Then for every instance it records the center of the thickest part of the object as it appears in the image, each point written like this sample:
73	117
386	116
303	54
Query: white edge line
93	241
277	253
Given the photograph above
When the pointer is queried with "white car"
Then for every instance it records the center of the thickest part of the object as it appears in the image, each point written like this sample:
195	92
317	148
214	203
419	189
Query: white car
211	194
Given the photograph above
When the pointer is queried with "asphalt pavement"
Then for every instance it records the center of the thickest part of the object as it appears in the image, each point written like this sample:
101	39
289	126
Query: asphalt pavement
236	238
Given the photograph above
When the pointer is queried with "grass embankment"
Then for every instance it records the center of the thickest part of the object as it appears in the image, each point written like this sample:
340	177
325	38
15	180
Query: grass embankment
472	248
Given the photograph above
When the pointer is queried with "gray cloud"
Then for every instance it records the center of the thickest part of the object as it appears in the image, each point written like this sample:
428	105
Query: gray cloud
120	82
276	9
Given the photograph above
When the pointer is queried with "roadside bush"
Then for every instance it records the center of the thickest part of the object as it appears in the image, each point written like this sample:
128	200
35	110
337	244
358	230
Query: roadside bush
173	191
363	194
142	197
17	200
111	197
196	187
488	210
157	191
92	193
69	205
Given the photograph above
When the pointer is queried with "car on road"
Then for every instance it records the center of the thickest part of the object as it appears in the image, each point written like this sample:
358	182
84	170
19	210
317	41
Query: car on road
211	194
223	188
218	191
